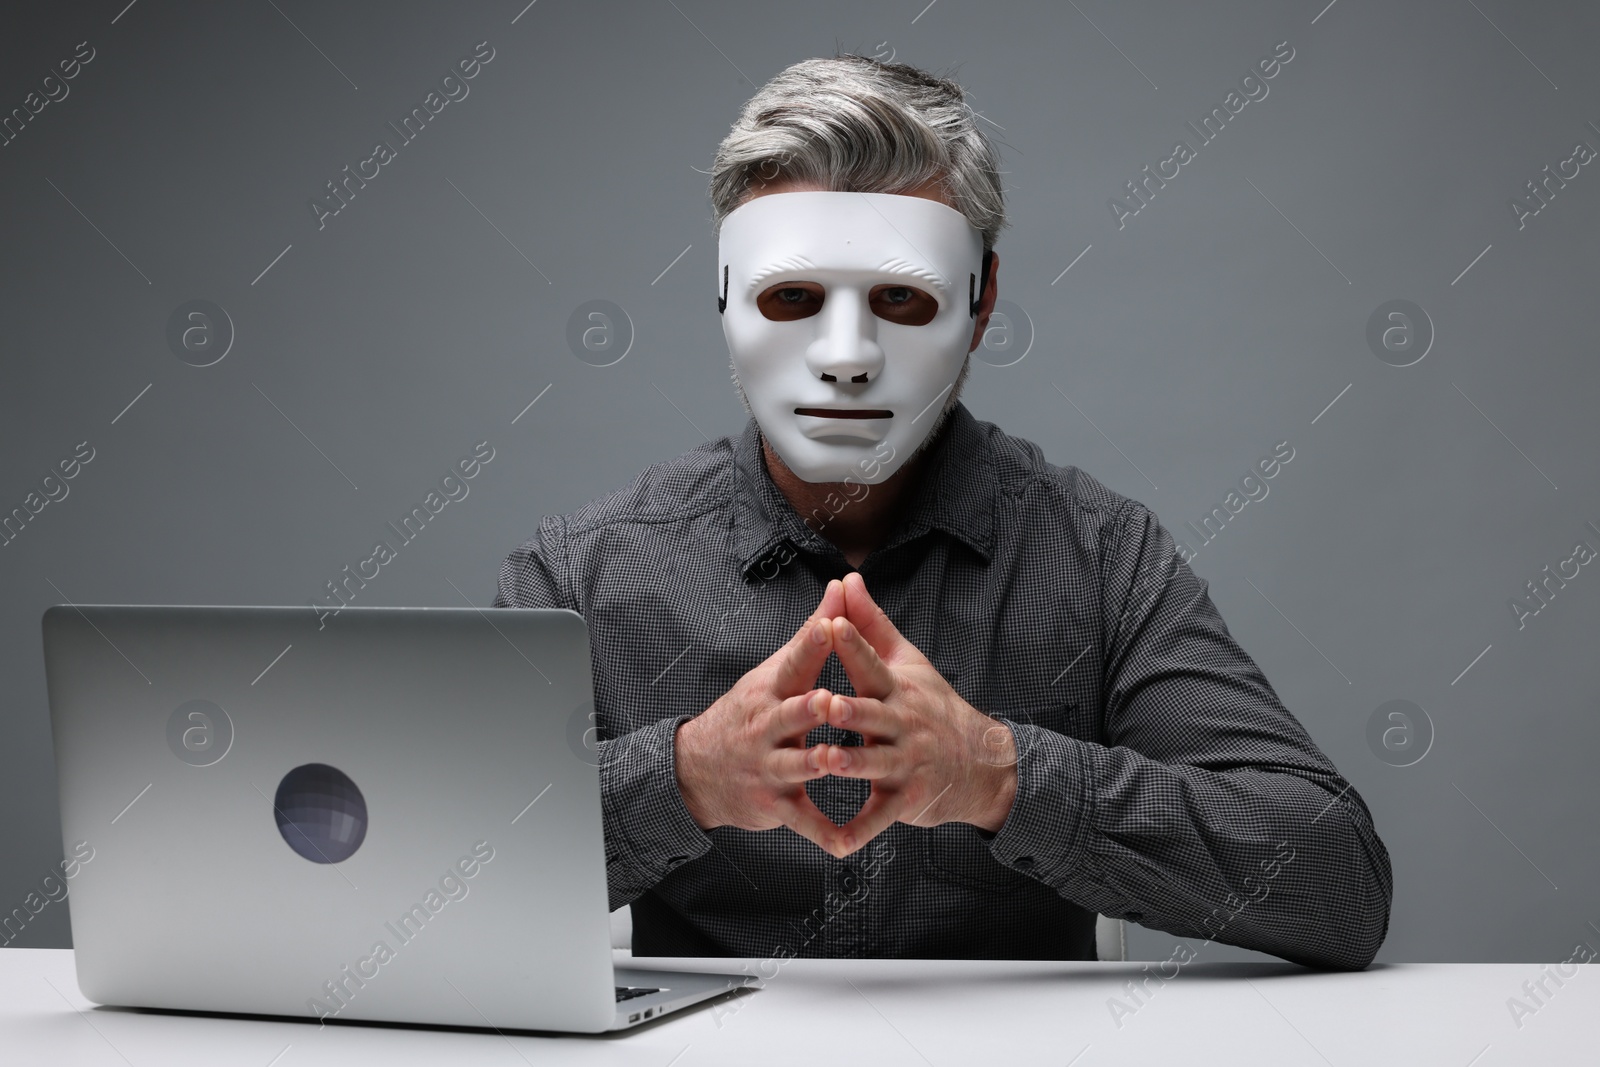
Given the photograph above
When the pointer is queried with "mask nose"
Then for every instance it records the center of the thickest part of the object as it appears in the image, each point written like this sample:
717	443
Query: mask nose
846	347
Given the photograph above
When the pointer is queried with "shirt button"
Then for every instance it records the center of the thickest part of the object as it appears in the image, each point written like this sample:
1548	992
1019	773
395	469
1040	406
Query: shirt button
1025	862
675	860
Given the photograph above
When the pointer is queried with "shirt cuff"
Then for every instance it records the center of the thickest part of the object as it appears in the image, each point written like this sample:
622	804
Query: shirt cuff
649	831
1044	834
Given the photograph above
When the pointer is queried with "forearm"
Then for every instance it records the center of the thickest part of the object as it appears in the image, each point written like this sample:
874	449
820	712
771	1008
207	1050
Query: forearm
1265	858
649	832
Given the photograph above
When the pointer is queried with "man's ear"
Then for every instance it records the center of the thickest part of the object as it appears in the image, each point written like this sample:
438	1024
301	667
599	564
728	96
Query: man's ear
983	306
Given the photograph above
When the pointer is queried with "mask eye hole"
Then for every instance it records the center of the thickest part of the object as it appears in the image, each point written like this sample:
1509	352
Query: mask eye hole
788	301
903	304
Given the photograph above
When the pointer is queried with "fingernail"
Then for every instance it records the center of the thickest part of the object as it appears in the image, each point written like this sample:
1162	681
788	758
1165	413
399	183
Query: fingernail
844	759
844	709
819	636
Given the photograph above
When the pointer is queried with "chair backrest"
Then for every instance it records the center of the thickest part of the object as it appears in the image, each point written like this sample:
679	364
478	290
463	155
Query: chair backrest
622	927
1110	939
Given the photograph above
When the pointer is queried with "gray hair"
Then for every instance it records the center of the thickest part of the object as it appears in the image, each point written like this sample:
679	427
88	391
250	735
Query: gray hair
854	124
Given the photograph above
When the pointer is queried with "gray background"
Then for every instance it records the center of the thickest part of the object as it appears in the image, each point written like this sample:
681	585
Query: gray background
1225	317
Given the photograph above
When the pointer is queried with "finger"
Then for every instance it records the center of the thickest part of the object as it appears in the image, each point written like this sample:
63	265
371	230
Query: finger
800	660
798	715
876	815
870	619
797	764
799	814
868	672
865	715
862	761
832	601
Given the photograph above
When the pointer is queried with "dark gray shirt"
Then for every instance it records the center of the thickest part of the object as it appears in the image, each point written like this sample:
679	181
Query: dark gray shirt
1159	777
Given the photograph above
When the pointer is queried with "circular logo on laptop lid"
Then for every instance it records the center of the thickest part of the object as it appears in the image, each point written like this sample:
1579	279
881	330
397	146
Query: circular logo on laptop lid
320	813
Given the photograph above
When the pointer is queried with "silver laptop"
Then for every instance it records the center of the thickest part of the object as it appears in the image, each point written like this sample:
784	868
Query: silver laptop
387	814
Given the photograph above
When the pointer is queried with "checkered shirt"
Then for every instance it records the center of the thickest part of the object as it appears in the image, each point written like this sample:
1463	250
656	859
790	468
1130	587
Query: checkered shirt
1159	778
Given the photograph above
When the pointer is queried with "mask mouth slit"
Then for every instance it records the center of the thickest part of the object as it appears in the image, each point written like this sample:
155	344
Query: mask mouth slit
845	413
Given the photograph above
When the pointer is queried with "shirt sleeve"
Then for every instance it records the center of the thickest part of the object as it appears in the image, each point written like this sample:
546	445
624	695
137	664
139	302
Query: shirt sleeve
648	829
1205	810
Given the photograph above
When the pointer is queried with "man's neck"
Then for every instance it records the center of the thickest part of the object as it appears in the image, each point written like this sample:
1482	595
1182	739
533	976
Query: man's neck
855	517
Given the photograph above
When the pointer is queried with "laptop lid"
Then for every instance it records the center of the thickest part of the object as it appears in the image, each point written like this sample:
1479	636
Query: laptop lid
384	817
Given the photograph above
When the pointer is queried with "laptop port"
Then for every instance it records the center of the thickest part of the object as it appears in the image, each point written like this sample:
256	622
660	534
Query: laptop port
649	1012
634	1017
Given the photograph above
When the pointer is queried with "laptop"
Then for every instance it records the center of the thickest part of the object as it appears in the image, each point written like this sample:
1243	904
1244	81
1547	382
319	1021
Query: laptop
388	814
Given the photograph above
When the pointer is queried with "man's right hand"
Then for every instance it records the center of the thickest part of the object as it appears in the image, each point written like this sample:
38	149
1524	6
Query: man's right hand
743	761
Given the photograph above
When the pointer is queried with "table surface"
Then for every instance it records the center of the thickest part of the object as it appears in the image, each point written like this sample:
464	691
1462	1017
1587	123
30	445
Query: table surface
913	1012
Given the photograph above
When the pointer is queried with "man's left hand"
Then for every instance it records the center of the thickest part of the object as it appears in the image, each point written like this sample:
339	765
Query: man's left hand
931	757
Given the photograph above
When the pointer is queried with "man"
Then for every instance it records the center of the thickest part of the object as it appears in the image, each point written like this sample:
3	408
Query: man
873	678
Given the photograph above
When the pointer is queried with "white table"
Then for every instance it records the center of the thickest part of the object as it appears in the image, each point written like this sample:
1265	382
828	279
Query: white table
895	1012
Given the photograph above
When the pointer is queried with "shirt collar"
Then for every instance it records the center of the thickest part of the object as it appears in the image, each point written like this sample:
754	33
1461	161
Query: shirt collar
955	493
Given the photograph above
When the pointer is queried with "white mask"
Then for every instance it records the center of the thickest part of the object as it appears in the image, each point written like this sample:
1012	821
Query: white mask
838	344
